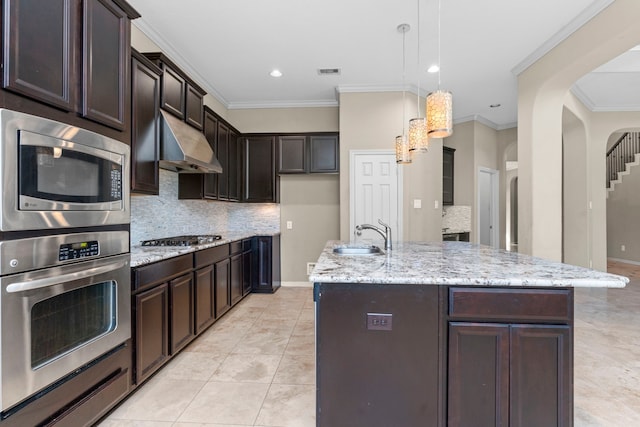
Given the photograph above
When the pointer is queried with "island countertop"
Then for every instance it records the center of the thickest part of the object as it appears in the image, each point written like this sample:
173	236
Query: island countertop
454	263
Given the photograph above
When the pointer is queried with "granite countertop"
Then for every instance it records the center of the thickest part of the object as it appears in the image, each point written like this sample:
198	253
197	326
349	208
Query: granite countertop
454	263
141	255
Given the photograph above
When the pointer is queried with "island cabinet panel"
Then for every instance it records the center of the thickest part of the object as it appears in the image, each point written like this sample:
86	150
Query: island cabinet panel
510	357
478	375
371	374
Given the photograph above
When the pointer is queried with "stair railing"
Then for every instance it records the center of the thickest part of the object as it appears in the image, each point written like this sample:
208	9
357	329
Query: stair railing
621	153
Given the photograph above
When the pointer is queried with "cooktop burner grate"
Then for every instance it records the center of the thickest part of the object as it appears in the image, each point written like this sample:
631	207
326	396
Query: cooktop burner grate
183	240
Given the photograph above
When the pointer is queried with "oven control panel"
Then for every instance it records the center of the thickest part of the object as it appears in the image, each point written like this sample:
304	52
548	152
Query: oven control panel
78	250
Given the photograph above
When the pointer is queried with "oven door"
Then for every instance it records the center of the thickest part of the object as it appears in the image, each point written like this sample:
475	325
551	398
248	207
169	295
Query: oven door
58	319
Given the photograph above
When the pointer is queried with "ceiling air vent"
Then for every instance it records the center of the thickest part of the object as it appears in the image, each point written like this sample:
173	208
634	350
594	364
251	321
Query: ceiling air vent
329	71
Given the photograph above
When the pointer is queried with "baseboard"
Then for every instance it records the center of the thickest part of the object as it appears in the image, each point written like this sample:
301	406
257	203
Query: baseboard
626	261
297	284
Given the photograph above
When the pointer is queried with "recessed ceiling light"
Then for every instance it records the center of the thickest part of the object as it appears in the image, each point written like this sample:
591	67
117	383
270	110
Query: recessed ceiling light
276	73
433	69
495	105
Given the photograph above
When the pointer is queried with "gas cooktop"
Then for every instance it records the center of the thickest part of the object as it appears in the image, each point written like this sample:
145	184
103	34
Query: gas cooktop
183	240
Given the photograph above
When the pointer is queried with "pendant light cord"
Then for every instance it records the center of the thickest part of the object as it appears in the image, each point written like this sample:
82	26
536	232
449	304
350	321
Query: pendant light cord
419	66
404	36
439	43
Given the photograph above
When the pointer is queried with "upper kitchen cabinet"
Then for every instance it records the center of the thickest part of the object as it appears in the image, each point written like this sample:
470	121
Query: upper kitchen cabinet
180	95
447	175
259	169
145	129
210	125
313	153
72	55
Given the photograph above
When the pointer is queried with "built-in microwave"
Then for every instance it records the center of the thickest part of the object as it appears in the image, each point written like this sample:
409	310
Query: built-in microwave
54	175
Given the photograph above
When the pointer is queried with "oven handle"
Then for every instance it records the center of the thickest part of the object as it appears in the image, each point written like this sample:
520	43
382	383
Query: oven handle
50	281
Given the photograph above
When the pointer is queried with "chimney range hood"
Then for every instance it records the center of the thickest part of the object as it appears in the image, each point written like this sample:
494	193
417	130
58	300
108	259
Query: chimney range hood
185	149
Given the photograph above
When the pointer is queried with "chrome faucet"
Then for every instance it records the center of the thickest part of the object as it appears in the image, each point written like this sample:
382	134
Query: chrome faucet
386	234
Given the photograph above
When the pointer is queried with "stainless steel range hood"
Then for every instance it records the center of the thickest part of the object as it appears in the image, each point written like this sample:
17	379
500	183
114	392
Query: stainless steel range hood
185	149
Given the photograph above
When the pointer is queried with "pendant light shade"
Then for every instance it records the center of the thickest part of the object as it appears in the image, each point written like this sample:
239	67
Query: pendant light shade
418	134
403	155
440	114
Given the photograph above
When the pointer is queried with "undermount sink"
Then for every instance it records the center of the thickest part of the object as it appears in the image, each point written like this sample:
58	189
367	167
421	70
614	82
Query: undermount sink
357	250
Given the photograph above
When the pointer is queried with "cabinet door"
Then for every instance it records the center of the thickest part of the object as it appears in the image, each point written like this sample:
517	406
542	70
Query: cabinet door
106	48
478	374
151	331
223	302
145	132
323	154
447	175
259	184
234	167
292	154
541	376
236	278
173	92
193	107
39	60
223	158
246	272
181	311
211	133
205	303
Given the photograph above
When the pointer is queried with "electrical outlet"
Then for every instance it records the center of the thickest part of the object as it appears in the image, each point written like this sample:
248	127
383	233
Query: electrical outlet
435	204
379	321
417	204
623	248
310	267
289	225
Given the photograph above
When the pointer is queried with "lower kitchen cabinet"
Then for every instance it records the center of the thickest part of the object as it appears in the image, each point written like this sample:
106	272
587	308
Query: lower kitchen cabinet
151	316
266	264
223	297
235	279
247	256
181	310
205	298
510	360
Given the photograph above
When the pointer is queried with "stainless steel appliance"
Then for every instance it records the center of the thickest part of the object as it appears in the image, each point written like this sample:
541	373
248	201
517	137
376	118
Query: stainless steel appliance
64	301
54	175
189	240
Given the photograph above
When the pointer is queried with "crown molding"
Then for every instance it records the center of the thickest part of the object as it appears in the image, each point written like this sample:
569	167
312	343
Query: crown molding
585	16
480	119
582	97
281	104
176	57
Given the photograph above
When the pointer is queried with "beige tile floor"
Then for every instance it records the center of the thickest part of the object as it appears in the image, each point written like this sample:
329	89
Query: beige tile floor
256	367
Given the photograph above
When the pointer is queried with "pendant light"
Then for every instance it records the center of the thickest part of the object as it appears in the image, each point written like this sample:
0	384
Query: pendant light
403	154
418	135
439	103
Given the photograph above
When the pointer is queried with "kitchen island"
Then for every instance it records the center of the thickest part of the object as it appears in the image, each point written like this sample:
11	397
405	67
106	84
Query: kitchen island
446	333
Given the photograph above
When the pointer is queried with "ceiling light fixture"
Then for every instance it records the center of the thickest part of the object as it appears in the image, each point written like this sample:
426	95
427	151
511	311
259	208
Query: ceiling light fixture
276	73
418	135
433	69
439	103
403	155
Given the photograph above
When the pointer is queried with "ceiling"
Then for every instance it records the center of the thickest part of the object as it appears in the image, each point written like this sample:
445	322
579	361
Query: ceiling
230	46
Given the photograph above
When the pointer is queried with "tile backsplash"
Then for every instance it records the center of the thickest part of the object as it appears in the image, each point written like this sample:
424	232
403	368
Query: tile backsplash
165	215
456	217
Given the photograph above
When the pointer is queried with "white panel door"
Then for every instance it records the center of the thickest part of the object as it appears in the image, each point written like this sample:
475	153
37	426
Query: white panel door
488	207
374	192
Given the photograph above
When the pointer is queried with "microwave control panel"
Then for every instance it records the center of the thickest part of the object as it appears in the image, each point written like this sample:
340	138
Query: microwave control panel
78	250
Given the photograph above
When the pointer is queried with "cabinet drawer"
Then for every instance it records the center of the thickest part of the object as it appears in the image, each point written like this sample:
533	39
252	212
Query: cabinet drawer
246	245
144	277
236	247
211	255
531	305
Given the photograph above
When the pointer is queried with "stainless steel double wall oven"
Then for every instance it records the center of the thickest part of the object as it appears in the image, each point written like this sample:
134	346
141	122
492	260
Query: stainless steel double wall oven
64	252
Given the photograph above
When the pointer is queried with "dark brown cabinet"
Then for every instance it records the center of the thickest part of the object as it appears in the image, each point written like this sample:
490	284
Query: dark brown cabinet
145	130
210	129
266	264
223	297
151	314
259	169
247	256
447	175
236	272
181	310
205	298
72	55
308	154
510	360
234	166
180	95
223	158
